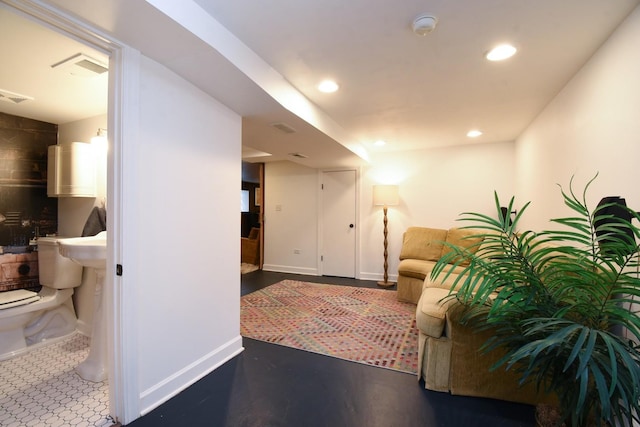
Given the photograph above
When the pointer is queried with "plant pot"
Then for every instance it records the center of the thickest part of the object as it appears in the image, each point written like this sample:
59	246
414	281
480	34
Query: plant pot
548	416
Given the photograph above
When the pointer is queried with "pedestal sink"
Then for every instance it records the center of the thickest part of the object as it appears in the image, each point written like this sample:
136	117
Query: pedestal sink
91	252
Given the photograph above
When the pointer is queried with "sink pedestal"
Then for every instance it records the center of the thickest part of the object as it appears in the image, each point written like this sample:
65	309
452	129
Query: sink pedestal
91	253
94	367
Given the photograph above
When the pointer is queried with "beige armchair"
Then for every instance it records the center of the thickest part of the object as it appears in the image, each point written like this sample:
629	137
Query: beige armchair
250	247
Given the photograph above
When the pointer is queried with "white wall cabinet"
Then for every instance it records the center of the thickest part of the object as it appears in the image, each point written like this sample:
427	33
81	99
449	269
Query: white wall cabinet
71	170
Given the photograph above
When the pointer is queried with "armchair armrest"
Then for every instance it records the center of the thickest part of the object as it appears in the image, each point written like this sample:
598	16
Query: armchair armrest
249	250
471	373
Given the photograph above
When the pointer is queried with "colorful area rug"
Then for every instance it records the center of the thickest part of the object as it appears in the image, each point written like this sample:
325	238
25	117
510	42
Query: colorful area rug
359	324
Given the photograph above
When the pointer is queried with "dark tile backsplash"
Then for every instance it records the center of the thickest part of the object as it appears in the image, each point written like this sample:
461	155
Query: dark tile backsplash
25	209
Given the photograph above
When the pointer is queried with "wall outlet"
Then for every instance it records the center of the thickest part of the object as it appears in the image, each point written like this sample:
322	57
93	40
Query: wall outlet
297	251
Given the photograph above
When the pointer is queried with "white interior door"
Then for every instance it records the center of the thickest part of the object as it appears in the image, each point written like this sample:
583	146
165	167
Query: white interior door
338	254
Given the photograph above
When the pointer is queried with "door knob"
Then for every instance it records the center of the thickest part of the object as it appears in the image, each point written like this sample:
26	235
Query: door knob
351	225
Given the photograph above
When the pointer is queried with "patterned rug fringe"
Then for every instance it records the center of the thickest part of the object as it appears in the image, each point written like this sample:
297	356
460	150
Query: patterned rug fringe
358	324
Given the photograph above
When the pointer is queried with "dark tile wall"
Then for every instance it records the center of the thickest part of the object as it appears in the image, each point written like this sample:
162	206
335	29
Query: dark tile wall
25	209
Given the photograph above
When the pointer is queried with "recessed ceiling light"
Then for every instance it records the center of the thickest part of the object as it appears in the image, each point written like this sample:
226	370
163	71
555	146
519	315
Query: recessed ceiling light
380	143
501	52
474	133
328	86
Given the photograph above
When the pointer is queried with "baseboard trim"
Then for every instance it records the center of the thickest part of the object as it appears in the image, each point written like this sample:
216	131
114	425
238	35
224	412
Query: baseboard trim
377	277
173	385
84	328
291	269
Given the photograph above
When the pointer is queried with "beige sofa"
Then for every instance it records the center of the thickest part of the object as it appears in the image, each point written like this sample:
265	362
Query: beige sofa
449	355
421	248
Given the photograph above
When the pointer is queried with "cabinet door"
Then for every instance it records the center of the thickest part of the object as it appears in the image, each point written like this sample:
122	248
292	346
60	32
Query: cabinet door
71	170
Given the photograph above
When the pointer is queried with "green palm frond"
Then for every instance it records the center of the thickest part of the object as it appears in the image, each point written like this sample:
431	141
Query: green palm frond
557	300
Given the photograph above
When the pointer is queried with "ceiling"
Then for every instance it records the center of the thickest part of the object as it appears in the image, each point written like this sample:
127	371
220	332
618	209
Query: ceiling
28	51
412	91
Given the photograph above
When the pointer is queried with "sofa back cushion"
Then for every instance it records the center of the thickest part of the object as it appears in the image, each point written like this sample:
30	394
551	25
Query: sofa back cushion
463	239
422	243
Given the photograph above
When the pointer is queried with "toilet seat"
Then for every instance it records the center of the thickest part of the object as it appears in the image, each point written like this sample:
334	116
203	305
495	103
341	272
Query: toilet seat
17	297
47	298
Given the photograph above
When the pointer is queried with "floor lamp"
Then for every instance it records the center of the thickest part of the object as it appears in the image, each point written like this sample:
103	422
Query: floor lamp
385	195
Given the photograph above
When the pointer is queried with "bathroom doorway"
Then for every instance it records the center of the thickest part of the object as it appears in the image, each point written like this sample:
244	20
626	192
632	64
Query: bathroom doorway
59	38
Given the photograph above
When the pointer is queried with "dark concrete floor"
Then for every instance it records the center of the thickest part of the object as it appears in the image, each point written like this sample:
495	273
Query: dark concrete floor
271	386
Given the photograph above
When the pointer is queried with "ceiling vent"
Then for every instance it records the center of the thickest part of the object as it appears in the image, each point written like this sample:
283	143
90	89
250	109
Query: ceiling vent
298	155
12	97
283	127
81	65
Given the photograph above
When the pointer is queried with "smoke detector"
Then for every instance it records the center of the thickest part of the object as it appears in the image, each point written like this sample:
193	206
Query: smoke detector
424	24
81	65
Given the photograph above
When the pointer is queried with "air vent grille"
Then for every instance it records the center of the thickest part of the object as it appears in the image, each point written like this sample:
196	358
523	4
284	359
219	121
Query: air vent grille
12	97
283	127
299	155
81	65
92	66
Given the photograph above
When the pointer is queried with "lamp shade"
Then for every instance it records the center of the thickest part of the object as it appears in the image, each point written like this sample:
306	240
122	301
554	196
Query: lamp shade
385	195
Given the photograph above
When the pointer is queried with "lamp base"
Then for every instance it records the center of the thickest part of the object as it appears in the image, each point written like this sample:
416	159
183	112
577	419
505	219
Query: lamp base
386	284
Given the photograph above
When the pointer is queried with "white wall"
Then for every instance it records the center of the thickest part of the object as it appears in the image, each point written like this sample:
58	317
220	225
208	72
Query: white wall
591	127
435	187
291	218
180	201
182	247
74	211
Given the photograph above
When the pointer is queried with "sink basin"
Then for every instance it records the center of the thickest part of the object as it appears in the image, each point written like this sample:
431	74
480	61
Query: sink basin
87	251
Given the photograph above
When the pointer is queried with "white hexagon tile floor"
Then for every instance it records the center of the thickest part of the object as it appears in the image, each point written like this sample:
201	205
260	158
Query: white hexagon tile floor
41	388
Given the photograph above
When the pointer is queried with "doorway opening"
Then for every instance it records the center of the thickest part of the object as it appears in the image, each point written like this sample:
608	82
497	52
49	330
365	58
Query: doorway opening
251	215
74	38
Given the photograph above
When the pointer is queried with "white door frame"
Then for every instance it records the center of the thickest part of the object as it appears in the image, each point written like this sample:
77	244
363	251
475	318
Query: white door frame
321	218
122	126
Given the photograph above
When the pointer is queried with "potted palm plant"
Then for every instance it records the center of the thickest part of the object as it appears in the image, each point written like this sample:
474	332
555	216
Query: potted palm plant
558	303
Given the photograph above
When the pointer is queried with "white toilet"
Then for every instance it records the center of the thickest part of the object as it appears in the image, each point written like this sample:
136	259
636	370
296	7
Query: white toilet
29	319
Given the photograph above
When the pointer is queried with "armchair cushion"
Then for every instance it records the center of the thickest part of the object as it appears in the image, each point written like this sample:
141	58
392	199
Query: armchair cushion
422	243
462	238
414	268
